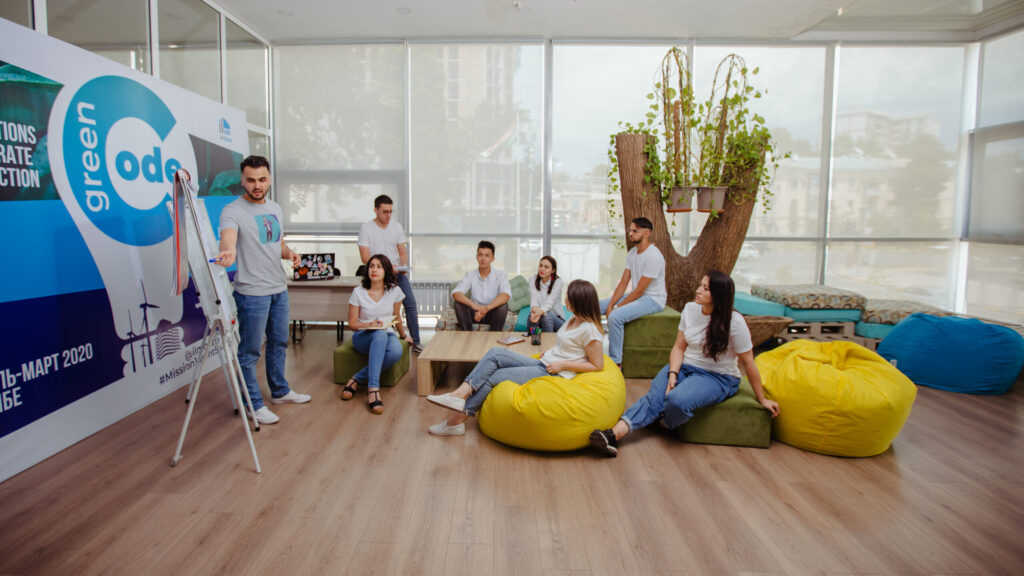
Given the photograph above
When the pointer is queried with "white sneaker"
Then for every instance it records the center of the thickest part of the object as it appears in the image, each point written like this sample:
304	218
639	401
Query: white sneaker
291	397
448	401
443	429
265	416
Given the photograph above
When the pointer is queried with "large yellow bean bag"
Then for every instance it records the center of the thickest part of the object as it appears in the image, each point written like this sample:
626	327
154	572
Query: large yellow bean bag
835	398
552	413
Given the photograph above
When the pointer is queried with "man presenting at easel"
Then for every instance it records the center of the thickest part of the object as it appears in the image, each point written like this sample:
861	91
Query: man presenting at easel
250	233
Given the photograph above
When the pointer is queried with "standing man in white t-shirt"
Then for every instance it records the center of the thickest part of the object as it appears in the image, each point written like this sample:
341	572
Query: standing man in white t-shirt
489	293
382	236
250	235
645	266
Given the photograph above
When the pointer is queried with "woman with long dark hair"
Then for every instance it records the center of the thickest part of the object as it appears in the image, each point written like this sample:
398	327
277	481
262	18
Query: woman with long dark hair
578	348
375	313
702	368
546	297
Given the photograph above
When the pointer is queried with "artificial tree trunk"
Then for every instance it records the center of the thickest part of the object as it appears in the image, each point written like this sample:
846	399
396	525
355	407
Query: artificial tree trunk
718	246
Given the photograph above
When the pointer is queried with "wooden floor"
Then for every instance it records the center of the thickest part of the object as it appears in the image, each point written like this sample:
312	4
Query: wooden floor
346	492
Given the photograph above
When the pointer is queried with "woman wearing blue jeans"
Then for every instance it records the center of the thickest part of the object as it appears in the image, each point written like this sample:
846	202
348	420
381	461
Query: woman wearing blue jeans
375	312
702	367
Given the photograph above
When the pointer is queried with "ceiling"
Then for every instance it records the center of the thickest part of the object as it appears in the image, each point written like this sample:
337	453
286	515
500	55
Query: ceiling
304	21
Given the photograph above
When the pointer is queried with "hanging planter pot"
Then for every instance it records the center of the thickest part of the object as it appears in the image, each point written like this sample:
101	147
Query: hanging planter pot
680	199
711	198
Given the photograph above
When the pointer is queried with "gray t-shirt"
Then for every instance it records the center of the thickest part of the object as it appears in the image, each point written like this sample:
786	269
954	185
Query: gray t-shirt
259	246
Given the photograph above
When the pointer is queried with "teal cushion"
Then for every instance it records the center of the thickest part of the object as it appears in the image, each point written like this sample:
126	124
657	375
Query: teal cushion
822	315
520	294
872	330
753	306
522	319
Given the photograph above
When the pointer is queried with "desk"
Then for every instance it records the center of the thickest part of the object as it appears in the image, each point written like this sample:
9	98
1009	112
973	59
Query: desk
320	300
456	346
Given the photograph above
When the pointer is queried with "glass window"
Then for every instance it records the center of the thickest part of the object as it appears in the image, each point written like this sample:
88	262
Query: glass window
259	144
17	11
897	130
919	271
792	82
190	46
476	138
594	88
340	130
87	25
1002	85
997	186
440	259
599	260
246	73
995	282
763	262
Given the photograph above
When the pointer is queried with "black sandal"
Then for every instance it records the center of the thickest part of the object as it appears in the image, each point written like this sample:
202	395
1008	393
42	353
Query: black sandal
349	390
376	406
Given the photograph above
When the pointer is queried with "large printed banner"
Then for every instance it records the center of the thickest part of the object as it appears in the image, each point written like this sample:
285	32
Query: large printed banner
88	150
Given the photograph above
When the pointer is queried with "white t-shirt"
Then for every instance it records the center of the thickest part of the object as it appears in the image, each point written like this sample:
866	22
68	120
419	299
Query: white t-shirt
382	240
541	299
693	323
484	290
369	310
570	345
649	264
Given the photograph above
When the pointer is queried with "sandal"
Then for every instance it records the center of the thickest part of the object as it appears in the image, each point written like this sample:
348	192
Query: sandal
376	406
349	390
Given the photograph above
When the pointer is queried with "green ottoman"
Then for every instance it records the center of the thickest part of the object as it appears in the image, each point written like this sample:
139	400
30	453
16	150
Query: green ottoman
347	362
647	342
739	421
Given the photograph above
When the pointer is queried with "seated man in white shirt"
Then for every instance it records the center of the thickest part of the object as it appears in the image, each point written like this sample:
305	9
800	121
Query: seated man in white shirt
489	293
645	271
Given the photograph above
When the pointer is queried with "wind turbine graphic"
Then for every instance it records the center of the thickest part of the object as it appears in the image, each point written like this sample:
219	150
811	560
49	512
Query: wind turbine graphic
131	338
145	322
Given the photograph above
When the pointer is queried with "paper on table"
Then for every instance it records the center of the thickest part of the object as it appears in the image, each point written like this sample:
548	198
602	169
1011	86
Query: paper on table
509	340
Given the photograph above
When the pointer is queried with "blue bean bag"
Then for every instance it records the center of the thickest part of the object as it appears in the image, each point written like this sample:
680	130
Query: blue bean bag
955	354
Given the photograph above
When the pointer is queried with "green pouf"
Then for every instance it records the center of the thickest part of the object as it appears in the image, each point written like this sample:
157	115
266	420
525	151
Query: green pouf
739	421
646	343
347	362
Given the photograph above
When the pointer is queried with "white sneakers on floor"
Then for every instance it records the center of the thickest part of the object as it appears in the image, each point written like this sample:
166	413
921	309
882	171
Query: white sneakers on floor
448	401
443	429
292	397
265	416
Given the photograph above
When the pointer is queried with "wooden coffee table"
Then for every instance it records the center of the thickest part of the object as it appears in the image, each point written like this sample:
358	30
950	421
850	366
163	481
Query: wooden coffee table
451	346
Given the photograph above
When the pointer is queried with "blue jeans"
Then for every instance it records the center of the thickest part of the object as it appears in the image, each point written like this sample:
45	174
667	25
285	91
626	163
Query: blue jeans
549	322
383	348
412	316
642	306
498	365
695	388
259	316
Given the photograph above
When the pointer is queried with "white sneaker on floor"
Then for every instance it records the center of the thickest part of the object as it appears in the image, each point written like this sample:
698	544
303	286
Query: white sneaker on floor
292	397
448	401
443	429
265	416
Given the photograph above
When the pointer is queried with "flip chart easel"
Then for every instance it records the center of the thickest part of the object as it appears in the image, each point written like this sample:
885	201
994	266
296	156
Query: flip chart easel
193	242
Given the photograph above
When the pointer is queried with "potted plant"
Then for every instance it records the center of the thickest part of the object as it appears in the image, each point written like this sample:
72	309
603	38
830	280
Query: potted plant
674	93
732	141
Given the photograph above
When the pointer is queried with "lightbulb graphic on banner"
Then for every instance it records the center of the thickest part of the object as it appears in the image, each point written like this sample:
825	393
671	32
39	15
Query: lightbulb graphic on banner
117	151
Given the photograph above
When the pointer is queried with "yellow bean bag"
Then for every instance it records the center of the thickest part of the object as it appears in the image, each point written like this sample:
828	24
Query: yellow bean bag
835	398
552	413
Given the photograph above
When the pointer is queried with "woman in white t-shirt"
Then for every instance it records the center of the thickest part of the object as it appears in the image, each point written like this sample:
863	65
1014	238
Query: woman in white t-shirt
546	297
577	349
374	312
702	367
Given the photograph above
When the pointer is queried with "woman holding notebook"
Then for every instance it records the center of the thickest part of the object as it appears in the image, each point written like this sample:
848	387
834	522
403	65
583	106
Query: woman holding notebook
374	312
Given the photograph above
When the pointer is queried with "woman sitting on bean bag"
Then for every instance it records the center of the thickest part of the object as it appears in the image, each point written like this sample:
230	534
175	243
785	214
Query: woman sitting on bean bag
577	349
702	368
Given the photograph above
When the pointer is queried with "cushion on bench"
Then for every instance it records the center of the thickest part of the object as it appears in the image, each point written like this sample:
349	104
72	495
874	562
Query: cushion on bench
809	296
884	311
